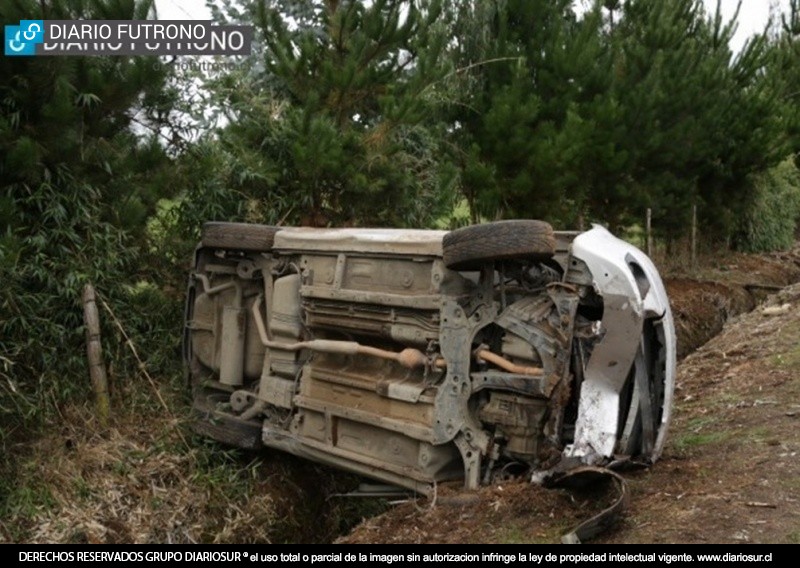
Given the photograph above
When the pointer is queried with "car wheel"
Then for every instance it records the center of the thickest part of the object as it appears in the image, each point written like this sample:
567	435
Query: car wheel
238	236
470	247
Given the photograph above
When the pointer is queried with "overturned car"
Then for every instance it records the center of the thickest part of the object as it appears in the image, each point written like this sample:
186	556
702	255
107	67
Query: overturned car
415	357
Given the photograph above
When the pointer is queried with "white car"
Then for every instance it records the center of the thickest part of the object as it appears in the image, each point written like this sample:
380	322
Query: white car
415	357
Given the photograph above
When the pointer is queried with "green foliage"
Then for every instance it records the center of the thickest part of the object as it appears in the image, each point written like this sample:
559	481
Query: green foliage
77	181
531	109
697	120
330	124
24	501
770	219
629	106
522	99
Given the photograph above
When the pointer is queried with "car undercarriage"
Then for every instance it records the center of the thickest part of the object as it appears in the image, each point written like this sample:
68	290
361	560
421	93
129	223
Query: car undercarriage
415	357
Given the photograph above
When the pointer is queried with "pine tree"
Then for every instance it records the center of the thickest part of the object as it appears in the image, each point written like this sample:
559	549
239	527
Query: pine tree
696	120
331	123
523	106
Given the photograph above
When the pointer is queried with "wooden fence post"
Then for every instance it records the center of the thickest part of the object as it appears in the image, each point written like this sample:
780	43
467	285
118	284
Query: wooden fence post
94	353
694	235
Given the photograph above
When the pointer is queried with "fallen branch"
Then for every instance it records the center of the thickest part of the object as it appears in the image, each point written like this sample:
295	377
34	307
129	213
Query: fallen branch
770	287
760	504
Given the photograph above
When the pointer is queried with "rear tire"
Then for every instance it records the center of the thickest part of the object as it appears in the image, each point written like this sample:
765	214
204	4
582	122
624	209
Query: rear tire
471	247
239	236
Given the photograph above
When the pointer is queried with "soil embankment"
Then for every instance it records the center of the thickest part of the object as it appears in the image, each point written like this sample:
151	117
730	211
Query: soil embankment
704	298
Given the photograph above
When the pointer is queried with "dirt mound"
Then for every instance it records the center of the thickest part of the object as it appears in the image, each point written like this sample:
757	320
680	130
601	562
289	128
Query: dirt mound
513	512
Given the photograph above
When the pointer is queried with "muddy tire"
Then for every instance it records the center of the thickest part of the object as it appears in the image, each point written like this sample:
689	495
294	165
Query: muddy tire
471	247
238	236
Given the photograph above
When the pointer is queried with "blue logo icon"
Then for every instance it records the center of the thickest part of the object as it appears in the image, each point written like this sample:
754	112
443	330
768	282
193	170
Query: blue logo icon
22	39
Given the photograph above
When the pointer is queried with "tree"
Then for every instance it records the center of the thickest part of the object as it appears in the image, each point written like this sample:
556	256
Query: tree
331	124
631	105
698	120
523	106
76	183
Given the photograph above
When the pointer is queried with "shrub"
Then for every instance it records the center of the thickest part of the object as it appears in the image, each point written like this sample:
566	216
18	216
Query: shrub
770	216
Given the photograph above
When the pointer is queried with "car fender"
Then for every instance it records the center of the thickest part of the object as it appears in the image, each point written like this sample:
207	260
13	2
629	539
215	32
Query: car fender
632	292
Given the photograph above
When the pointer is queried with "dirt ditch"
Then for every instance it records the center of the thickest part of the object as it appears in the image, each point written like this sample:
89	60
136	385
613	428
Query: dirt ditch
703	299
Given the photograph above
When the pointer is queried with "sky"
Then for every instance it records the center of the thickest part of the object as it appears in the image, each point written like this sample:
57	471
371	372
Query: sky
752	16
182	10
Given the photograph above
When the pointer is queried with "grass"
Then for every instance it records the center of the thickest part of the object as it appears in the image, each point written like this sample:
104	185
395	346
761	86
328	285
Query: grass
760	435
147	478
791	482
698	423
28	499
21	503
691	441
513	535
516	534
694	440
788	360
